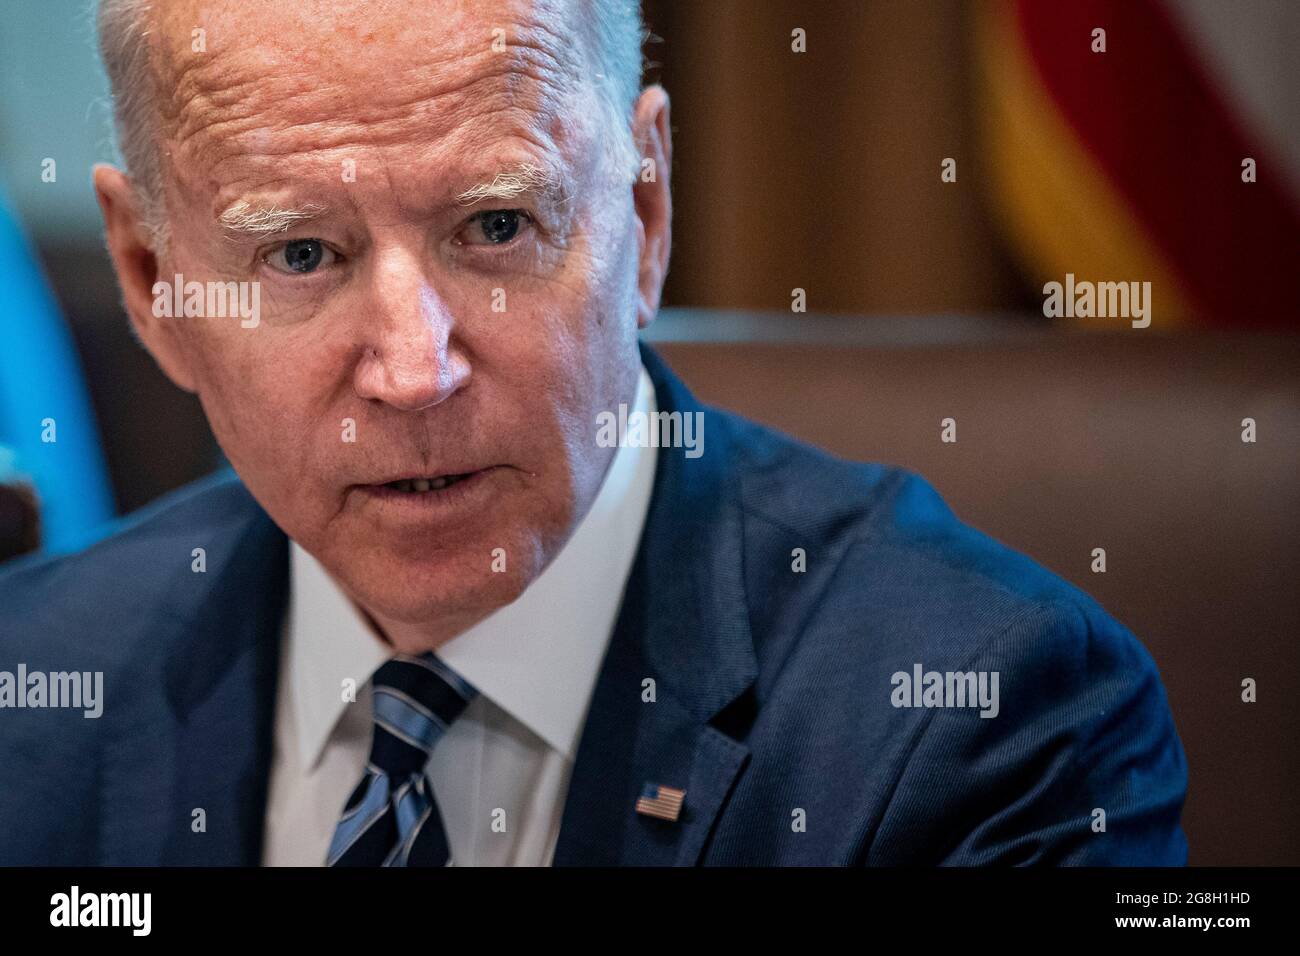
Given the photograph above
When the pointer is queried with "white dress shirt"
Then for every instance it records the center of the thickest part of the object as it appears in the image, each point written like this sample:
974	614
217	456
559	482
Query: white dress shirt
500	774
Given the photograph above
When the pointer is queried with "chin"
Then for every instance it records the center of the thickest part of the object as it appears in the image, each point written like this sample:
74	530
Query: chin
441	592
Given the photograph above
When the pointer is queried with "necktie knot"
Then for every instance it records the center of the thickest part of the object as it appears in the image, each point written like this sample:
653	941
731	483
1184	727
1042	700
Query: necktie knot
415	700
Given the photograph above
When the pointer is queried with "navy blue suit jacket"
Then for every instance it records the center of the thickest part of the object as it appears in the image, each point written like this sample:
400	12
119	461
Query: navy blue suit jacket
774	696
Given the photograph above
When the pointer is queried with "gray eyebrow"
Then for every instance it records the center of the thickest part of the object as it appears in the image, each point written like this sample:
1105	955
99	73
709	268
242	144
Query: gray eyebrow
245	219
514	182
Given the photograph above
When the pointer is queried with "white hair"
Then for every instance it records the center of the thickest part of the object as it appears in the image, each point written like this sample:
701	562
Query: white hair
613	47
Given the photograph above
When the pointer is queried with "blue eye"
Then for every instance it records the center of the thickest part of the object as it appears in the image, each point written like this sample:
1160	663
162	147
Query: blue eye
495	226
300	256
500	225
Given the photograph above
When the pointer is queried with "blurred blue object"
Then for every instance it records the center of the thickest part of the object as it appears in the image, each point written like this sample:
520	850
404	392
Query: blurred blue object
42	396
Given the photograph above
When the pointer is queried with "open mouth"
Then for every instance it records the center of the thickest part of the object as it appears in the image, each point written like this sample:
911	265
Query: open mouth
441	496
423	485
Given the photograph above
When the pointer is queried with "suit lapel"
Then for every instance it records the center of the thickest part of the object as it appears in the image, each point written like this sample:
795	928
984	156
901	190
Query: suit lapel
681	652
186	771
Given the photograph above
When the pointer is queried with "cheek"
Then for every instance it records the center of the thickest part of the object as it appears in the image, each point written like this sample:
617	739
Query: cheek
596	310
594	371
260	407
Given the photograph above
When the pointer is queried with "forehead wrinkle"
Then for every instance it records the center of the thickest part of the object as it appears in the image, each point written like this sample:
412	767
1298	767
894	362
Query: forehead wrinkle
240	93
240	112
250	138
254	60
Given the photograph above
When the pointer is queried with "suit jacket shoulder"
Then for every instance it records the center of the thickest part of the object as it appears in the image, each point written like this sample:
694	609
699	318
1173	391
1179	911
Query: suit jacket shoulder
155	628
860	579
97	604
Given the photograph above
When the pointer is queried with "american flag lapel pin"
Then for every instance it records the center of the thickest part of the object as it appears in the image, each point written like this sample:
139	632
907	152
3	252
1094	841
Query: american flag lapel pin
659	801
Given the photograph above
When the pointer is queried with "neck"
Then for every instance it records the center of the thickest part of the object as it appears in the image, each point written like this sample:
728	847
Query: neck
414	639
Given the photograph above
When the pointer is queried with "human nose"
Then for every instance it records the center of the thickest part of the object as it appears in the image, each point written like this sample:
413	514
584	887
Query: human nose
410	360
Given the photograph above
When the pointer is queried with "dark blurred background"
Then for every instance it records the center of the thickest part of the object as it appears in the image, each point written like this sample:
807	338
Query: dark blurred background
1173	156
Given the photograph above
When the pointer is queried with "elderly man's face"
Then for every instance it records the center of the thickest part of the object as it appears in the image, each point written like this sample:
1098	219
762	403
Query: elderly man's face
407	334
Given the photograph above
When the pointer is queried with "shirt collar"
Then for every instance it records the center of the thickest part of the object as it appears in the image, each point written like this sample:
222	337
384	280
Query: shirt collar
328	642
537	659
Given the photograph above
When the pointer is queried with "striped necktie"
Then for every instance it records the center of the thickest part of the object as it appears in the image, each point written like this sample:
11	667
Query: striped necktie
391	818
